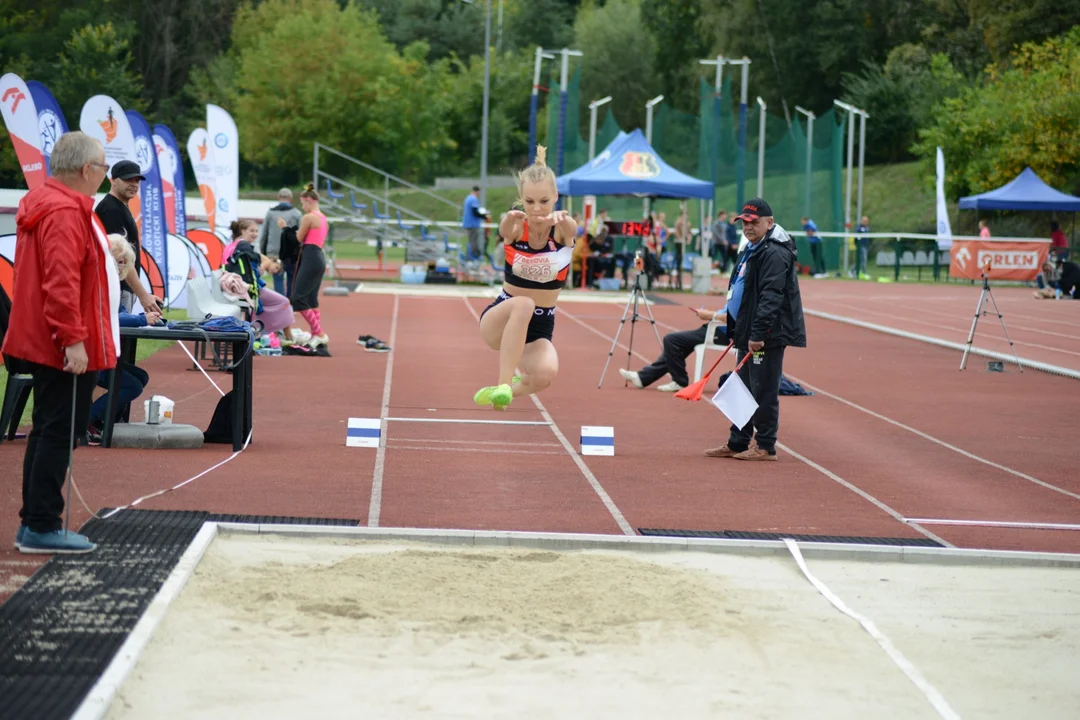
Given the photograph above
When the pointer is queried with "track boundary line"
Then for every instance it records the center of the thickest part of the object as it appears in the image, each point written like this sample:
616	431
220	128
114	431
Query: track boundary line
375	507
824	471
949	316
1025	362
938	441
612	508
466	421
995	523
487	450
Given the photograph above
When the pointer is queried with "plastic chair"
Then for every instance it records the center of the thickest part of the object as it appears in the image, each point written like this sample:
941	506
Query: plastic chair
330	192
404	228
16	394
358	207
709	344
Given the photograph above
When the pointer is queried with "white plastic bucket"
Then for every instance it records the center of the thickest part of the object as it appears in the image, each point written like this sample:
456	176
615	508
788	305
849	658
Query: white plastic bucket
164	410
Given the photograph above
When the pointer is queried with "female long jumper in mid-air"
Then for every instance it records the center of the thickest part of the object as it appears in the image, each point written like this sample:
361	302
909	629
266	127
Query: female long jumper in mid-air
520	323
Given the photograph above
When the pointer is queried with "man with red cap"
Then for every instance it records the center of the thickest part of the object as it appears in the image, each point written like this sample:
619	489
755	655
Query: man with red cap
765	316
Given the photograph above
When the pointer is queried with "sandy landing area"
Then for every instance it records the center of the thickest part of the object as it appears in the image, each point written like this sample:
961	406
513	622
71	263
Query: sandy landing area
285	628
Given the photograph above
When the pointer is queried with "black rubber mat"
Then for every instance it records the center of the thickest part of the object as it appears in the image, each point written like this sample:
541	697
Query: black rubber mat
283	520
744	535
659	299
59	632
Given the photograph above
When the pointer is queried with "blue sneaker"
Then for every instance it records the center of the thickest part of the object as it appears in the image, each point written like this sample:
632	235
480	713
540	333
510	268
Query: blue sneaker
57	542
19	536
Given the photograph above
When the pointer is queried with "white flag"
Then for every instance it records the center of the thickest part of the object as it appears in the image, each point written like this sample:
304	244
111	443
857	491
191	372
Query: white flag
944	231
735	401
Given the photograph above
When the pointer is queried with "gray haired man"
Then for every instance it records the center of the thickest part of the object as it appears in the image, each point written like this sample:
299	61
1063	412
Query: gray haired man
270	239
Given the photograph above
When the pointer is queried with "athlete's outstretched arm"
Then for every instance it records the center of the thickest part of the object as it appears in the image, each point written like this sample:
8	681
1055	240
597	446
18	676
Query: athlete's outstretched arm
510	227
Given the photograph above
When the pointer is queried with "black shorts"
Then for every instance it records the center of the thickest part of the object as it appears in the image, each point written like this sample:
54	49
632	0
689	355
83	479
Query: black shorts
542	324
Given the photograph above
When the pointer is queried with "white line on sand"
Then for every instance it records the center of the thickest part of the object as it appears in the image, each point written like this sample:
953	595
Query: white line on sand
380	453
620	520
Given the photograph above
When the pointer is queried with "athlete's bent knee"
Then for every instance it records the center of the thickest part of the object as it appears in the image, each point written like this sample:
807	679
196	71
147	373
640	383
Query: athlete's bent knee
522	306
541	377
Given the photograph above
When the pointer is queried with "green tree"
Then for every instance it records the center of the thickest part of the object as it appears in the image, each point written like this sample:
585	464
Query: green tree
97	60
619	62
679	42
1024	115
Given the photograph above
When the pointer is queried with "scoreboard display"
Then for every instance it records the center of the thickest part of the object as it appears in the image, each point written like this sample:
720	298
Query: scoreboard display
629	228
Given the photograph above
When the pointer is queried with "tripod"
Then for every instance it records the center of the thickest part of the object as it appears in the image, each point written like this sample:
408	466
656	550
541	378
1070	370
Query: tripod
979	312
637	294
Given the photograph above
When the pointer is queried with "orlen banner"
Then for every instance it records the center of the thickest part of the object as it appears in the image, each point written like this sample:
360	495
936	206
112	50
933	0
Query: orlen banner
1007	260
202	162
151	220
172	179
21	119
104	119
226	154
51	121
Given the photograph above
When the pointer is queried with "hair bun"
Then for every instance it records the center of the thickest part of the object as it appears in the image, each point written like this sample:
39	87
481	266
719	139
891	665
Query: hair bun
310	187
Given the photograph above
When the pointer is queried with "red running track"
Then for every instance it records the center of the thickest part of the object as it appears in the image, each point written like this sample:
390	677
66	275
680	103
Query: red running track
894	431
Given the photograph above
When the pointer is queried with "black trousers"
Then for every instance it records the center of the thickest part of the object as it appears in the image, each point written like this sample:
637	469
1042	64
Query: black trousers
761	374
818	256
677	347
46	459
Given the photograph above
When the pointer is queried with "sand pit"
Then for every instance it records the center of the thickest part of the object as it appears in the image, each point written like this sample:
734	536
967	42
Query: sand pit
272	627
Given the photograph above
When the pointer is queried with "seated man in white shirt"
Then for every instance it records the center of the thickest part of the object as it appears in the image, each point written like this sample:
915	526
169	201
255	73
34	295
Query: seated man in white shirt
677	347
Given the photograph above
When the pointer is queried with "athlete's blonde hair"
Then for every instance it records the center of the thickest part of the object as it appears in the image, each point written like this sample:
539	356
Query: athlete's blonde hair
536	173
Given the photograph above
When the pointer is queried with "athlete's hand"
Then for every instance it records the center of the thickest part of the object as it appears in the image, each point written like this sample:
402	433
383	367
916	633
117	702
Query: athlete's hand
516	215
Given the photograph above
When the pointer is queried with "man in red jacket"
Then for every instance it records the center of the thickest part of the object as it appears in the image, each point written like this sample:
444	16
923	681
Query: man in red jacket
63	323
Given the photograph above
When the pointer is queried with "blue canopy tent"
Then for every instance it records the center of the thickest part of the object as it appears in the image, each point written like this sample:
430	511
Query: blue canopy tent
1026	192
629	166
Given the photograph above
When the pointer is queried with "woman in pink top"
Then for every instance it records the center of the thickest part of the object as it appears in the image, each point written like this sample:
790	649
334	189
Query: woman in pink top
984	229
311	266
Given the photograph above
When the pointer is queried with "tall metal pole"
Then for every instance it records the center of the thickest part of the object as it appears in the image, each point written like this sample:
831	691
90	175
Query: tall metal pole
593	106
534	100
850	151
498	32
487	94
761	148
648	138
717	88
809	153
564	99
740	163
863	115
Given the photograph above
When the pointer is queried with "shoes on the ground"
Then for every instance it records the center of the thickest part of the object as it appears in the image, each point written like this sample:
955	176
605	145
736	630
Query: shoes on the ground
300	337
363	339
376	345
19	536
756	454
93	433
318	340
670	387
57	542
632	376
722	452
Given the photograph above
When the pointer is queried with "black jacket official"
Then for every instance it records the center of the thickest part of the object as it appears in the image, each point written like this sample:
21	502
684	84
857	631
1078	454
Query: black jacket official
771	307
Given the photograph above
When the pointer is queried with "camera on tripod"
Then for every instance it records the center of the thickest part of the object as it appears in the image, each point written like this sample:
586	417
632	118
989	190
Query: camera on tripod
639	261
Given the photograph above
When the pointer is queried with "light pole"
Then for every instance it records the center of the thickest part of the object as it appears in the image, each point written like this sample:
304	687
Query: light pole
809	152
648	138
534	101
850	149
593	106
717	89
863	115
564	78
761	148
487	92
740	164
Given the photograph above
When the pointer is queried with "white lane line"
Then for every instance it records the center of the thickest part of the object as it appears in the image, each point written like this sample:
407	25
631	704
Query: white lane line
465	421
937	441
863	494
439	439
995	523
994	355
380	453
935	698
952	316
620	520
827	473
498	451
984	335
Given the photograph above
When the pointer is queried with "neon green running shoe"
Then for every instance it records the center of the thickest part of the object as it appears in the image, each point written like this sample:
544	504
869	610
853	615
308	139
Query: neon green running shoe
483	395
501	397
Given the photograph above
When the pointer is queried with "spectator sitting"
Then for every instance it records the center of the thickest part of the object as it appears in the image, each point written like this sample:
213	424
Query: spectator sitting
272	309
1061	281
677	347
133	379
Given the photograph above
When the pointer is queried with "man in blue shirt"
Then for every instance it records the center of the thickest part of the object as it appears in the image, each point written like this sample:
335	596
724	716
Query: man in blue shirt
472	219
817	256
765	316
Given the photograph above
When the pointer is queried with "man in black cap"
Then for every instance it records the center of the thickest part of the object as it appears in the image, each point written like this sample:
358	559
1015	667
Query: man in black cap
117	218
765	316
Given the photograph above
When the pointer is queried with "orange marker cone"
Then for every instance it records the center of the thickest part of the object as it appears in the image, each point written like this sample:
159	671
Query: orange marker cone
693	391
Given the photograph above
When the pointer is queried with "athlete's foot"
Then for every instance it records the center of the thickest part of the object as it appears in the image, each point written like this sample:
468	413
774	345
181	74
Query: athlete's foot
484	395
501	397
